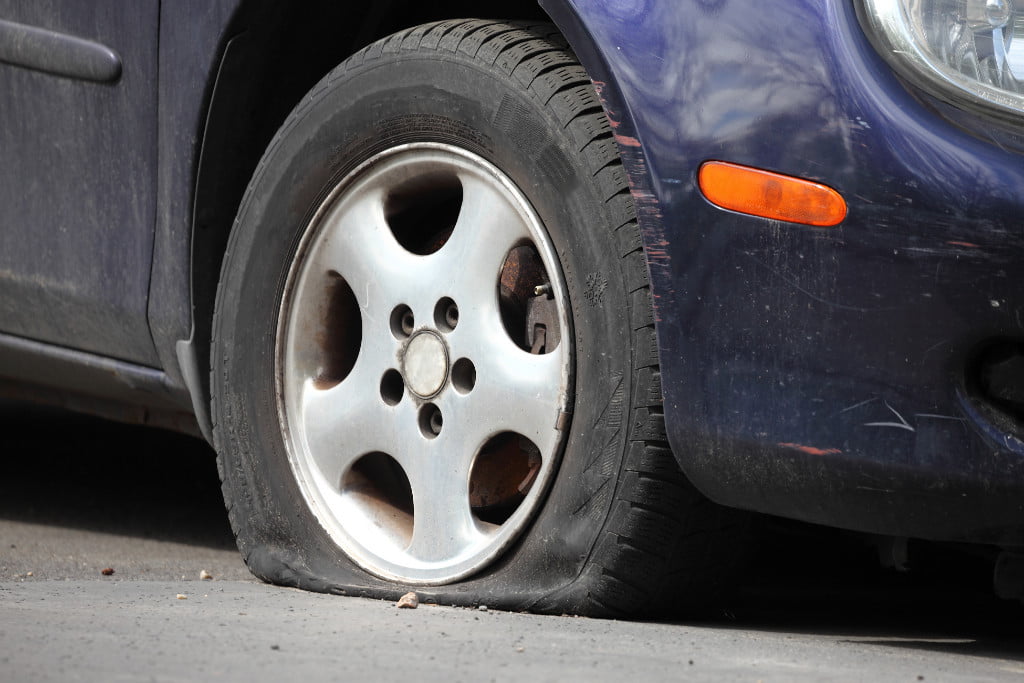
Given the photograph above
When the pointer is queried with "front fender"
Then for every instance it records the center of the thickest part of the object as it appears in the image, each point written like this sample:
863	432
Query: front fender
817	373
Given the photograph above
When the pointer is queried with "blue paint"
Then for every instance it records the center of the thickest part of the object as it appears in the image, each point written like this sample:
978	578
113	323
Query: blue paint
770	331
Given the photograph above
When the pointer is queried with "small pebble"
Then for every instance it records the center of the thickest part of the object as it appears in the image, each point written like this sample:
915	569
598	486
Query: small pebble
205	575
408	601
182	596
109	571
482	608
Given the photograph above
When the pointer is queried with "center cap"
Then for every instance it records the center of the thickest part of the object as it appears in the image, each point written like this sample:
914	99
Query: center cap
426	364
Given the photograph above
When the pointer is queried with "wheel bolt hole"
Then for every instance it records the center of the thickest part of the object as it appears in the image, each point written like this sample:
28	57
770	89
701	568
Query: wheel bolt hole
430	421
392	387
464	375
446	315
402	322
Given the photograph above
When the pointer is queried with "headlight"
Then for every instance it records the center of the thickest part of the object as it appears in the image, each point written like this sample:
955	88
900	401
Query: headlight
964	51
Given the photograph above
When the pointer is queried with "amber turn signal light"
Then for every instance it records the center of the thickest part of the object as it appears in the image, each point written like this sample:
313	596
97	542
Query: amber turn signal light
770	195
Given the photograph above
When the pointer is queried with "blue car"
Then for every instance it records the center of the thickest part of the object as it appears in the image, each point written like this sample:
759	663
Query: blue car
533	309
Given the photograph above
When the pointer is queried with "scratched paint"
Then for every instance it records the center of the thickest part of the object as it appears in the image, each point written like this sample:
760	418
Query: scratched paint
811	450
648	207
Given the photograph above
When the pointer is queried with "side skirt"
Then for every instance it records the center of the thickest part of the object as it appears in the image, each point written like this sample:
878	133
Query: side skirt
89	383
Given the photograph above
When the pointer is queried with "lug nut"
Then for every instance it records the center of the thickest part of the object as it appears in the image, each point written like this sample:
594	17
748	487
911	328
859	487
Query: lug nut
430	421
402	322
451	315
446	314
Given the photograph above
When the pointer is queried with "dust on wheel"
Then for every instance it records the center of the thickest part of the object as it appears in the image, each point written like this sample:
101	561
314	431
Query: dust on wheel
423	422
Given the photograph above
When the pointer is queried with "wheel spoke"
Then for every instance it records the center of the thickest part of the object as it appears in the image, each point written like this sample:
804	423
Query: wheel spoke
443	526
343	423
519	392
489	226
358	244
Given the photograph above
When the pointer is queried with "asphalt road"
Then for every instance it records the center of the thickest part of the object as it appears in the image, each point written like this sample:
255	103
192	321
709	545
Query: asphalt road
80	495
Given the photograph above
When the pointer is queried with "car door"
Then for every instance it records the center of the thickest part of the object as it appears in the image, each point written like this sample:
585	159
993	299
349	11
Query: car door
78	103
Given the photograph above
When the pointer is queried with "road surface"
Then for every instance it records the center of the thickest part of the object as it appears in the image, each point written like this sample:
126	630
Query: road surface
81	495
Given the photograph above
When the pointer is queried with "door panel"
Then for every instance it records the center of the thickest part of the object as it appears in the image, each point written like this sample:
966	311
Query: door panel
77	175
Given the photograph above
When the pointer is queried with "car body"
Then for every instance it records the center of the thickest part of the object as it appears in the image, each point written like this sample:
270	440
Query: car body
831	374
860	375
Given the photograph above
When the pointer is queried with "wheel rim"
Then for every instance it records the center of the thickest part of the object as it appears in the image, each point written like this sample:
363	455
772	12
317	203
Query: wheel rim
423	380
